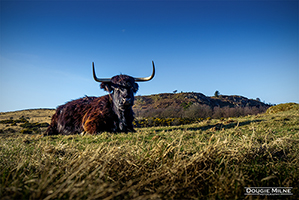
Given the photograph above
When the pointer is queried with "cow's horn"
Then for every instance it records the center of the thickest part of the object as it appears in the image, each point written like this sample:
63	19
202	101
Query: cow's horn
136	79
147	78
99	79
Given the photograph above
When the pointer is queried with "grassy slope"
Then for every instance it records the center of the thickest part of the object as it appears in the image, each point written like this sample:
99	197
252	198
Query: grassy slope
210	159
32	116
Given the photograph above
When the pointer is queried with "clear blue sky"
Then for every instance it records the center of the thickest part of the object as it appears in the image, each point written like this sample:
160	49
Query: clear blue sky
247	48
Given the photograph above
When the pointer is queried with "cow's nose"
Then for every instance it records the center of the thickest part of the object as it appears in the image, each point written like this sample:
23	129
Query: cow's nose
127	101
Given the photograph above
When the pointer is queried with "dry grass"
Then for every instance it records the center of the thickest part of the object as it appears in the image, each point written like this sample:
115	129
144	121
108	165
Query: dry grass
212	159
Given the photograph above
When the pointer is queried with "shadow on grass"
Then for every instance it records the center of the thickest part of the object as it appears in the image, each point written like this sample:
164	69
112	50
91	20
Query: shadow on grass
213	127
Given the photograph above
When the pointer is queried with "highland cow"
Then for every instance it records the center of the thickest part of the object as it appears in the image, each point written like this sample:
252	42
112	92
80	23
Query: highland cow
111	113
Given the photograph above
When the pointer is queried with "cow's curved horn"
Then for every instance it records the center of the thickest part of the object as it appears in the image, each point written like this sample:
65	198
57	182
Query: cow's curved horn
136	79
147	78
98	79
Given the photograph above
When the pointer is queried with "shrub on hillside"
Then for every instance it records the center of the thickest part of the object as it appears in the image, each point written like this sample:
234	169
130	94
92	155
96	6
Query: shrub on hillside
29	128
236	111
193	111
226	112
198	111
28	131
171	112
14	122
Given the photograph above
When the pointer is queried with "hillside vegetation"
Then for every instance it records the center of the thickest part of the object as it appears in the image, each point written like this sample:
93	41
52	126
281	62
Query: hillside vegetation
210	159
195	105
283	107
25	121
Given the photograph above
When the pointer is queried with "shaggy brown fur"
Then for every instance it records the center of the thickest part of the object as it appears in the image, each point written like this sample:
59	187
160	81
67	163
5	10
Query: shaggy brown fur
112	113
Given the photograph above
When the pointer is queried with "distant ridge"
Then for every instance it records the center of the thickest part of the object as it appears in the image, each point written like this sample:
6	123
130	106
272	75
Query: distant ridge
164	100
194	105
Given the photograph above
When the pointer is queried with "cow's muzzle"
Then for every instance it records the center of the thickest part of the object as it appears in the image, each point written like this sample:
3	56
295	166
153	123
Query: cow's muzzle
127	102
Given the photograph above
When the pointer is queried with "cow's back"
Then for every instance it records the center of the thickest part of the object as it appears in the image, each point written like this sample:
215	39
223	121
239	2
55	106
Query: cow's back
71	117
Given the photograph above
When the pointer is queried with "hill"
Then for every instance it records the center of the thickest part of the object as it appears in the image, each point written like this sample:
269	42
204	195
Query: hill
184	105
180	99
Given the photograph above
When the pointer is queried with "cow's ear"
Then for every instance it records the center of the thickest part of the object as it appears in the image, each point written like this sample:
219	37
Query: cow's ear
135	88
106	86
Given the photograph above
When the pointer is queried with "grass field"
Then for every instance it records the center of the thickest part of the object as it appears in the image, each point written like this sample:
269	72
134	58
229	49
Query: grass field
212	159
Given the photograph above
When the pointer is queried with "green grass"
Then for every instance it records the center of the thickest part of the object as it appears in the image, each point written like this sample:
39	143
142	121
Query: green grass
212	159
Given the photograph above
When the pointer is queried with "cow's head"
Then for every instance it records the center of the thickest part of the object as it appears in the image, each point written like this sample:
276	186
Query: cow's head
122	88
